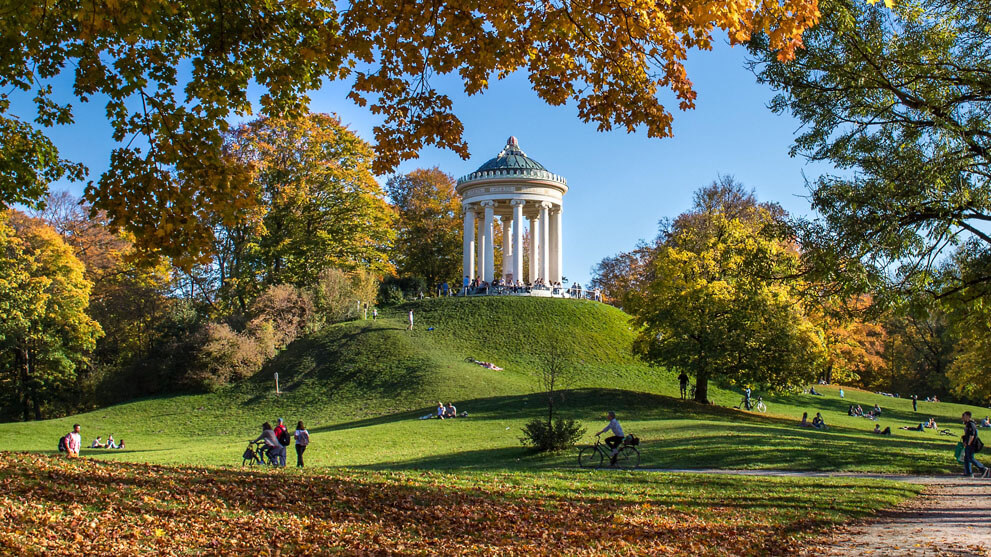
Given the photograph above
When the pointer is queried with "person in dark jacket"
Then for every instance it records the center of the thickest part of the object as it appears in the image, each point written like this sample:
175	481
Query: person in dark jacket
970	441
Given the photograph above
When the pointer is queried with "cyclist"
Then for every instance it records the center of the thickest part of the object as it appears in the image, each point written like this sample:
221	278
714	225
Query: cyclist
616	439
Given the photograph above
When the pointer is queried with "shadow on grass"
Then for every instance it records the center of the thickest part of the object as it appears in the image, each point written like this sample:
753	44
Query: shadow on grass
727	439
347	356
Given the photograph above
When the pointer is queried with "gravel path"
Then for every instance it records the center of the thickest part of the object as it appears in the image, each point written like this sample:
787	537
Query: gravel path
951	518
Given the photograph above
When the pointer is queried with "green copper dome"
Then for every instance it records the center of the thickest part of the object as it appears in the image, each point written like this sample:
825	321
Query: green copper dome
512	163
511	156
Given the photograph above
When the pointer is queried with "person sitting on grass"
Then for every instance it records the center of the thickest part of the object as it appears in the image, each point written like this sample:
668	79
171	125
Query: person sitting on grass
110	442
98	443
818	422
932	424
450	411
877	430
120	445
851	411
805	420
877	410
616	439
986	422
440	410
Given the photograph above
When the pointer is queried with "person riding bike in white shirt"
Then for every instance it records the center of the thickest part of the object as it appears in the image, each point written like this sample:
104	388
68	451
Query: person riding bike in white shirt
617	437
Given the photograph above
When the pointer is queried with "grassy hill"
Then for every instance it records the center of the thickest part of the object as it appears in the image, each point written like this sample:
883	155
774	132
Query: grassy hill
361	386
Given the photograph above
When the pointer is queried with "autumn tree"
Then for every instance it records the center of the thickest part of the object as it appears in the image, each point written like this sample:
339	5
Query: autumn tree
170	170
428	226
130	292
854	340
715	302
319	206
45	334
899	98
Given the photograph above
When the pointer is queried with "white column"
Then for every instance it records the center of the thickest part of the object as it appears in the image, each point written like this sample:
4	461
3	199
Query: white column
469	243
480	247
488	271
557	260
534	242
517	239
507	247
545	255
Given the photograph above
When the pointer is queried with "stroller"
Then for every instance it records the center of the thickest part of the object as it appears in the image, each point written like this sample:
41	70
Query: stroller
256	453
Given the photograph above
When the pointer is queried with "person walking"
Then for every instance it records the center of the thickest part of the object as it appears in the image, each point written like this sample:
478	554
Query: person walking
276	452
375	314
683	382
971	445
915	403
410	327
302	441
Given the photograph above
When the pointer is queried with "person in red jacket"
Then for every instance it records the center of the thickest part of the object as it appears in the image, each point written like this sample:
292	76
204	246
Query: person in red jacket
279	430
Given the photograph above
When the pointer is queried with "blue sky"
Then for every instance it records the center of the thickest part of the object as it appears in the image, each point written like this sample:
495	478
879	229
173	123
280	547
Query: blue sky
620	184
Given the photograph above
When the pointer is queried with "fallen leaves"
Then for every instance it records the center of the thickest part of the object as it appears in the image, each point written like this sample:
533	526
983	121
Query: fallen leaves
107	508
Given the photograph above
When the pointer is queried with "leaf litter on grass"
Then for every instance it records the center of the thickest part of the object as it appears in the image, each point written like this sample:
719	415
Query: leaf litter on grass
109	508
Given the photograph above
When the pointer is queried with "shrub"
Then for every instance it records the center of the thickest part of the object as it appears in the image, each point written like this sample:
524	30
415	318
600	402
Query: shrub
336	293
223	356
409	288
559	435
289	310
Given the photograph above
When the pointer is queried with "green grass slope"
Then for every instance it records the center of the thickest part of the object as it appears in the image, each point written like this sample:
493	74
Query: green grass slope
361	386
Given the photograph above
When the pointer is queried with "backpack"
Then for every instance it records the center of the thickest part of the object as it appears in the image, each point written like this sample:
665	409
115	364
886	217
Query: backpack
632	440
63	444
978	444
284	438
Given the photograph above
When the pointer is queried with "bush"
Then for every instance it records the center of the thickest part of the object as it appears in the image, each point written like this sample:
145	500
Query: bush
289	310
562	434
336	293
224	356
395	290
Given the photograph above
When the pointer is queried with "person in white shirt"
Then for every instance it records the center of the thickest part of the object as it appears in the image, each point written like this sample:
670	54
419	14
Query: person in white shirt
75	442
616	439
97	443
302	441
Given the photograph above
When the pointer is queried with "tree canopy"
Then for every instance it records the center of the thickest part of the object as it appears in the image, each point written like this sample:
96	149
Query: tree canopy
899	98
45	333
174	74
428	225
714	300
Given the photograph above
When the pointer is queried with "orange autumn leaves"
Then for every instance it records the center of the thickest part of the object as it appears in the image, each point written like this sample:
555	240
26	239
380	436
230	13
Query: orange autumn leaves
100	508
173	75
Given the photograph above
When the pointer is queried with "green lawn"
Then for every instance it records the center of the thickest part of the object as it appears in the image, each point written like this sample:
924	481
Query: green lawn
361	386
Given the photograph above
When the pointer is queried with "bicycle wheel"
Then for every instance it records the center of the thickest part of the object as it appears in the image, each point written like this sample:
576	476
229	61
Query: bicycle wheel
589	457
628	457
761	407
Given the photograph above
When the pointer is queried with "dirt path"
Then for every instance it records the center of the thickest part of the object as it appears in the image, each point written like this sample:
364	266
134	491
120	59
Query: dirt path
952	517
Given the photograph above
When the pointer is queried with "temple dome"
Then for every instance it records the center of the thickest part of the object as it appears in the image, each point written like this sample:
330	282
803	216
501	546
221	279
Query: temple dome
512	163
511	156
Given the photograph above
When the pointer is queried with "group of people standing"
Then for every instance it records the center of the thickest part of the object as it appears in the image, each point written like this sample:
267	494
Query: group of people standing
498	286
277	439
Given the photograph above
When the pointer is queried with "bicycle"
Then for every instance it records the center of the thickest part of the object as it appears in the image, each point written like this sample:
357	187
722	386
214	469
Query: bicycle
256	453
594	455
756	404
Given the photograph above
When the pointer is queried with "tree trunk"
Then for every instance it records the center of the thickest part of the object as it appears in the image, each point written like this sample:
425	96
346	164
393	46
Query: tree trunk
702	386
21	363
